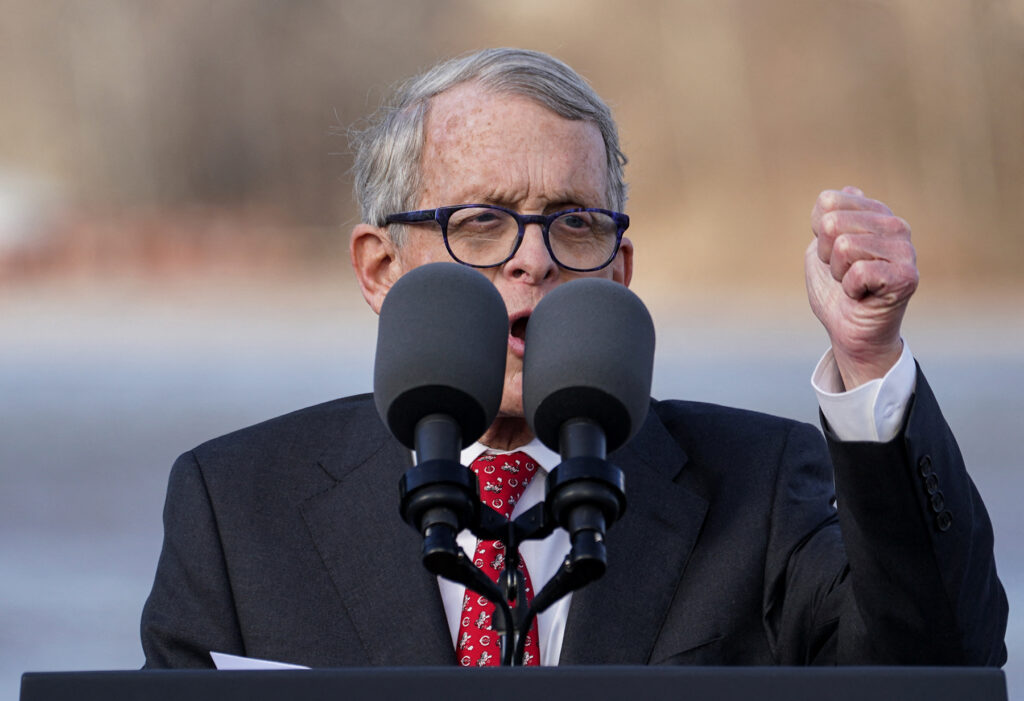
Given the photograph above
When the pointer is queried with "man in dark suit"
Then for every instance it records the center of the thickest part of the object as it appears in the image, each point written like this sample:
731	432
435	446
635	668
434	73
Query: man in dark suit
282	540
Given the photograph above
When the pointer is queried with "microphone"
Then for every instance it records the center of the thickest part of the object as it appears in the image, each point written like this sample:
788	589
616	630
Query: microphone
438	376
441	344
586	390
589	355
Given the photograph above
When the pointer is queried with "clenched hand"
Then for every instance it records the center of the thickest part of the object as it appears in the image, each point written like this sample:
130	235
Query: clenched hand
861	271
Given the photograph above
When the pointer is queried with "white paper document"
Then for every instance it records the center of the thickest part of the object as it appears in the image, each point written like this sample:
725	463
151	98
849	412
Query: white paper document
225	661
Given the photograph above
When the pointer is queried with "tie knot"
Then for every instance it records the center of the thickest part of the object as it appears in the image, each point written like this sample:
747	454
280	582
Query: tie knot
503	478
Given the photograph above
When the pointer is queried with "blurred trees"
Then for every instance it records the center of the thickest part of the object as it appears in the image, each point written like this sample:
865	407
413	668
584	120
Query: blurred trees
186	101
734	113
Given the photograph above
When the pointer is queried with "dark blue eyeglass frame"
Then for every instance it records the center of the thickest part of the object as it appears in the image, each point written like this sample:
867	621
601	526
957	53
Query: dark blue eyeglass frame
441	215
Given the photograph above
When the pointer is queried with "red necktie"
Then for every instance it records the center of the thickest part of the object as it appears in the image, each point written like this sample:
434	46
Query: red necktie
502	481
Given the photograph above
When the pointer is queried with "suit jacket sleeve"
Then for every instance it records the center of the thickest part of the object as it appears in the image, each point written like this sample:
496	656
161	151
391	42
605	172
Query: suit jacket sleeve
921	584
191	598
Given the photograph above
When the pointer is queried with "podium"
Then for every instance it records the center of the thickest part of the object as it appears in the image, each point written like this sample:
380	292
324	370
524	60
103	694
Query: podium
499	684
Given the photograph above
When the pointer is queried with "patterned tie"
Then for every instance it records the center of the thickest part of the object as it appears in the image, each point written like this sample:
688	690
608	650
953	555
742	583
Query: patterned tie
502	481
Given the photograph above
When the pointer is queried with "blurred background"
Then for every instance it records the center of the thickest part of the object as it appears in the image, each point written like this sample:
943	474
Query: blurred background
175	206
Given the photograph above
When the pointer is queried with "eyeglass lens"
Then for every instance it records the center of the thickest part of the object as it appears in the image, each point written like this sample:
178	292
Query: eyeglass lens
485	236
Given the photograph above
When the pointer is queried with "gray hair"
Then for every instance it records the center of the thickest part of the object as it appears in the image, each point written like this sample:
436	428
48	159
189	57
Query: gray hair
388	151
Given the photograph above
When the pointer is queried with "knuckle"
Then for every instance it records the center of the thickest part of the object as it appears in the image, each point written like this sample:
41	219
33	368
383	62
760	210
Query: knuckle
911	275
898	226
843	244
830	224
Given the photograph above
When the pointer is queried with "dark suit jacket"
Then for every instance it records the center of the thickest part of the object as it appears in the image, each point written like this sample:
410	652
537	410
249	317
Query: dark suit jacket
283	541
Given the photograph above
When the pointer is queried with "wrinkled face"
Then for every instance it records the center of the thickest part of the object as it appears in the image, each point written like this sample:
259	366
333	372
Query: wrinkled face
507	150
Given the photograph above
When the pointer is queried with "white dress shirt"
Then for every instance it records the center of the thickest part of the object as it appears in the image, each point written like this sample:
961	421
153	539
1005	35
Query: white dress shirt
872	412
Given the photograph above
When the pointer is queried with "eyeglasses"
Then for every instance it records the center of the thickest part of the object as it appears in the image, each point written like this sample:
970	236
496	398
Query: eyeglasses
486	236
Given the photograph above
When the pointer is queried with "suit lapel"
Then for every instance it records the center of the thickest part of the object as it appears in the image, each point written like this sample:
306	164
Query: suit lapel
616	620
373	557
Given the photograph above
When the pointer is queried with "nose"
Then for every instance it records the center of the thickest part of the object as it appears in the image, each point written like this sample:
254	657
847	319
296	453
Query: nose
532	263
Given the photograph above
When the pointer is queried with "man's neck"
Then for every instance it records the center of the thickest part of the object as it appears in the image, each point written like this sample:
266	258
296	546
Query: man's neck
507	433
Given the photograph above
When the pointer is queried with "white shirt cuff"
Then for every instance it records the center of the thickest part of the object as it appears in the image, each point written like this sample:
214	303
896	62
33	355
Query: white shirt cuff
872	412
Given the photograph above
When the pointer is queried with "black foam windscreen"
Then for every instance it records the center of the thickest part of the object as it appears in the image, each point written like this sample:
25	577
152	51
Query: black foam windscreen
441	344
589	354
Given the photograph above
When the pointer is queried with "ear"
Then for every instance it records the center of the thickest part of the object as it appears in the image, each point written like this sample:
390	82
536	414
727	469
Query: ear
374	261
622	266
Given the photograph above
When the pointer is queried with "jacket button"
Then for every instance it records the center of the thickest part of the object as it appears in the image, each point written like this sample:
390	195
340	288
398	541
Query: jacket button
944	520
924	465
938	503
931	483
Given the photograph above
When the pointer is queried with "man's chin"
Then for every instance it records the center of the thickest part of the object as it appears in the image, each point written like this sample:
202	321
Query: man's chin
511	410
510	429
512	397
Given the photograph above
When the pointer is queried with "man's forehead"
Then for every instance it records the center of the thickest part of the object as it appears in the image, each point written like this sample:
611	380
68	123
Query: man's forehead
472	107
488	145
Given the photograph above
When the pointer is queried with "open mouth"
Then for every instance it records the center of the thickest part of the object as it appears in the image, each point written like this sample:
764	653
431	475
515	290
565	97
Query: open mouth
517	334
518	327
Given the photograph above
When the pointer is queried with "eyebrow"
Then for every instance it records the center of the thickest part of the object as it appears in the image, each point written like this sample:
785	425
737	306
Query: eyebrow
563	200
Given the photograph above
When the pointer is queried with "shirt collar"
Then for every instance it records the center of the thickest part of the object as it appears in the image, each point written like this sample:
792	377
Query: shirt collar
546	458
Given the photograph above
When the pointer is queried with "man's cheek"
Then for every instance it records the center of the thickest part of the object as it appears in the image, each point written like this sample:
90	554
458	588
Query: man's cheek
512	396
513	367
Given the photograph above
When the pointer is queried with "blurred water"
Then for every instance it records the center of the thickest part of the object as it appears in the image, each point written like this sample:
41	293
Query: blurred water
98	396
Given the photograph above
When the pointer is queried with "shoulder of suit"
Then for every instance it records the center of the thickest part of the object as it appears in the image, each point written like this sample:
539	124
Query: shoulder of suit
304	433
703	420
